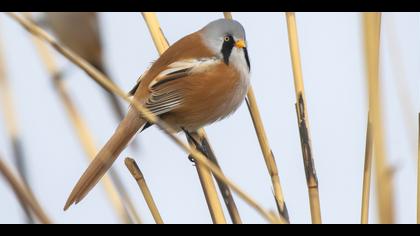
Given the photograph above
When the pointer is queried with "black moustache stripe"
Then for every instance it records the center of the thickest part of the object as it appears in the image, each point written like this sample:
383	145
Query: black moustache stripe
247	59
227	49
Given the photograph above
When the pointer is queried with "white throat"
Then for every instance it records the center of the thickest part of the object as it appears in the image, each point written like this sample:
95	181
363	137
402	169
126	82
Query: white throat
238	61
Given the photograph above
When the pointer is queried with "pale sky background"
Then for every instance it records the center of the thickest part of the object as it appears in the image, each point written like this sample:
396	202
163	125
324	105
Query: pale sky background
334	75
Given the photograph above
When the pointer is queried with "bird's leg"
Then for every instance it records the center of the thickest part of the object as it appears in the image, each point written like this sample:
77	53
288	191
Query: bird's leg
197	144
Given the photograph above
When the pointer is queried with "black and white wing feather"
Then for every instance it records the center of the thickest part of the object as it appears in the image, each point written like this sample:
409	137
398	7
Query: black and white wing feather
166	96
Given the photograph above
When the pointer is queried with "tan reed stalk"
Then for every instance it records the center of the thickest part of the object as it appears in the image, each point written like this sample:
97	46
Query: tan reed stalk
210	192
228	15
23	193
384	186
372	23
367	173
209	189
224	189
401	85
265	148
116	192
418	173
6	97
138	176
96	75
303	121
162	44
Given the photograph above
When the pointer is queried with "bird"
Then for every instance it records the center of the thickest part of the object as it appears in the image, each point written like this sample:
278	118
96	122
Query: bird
80	32
202	78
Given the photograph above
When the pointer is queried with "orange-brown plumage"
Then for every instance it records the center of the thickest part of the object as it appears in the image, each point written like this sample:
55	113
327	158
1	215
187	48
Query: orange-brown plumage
200	79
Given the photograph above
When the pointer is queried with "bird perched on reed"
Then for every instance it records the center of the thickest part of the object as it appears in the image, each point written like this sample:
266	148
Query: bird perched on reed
80	32
202	78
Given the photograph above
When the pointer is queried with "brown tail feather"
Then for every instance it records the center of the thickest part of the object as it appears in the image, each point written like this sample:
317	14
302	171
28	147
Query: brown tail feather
106	157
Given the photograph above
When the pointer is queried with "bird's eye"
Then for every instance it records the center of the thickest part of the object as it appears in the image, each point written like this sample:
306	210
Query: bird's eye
227	38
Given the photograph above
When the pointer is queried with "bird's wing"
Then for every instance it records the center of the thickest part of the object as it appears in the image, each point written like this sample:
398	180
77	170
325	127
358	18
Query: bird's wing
134	89
166	88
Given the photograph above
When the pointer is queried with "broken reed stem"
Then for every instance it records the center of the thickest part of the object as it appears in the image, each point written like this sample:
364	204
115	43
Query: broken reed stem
138	176
115	192
209	189
23	193
303	121
266	149
6	97
146	114
162	44
384	186
367	173
418	172
130	214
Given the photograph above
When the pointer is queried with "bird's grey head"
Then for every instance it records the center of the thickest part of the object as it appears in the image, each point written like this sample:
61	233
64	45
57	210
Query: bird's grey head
226	37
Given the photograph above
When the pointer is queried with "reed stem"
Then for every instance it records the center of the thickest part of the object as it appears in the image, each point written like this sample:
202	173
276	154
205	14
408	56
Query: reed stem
209	189
367	173
384	186
6	97
23	193
224	189
303	121
141	181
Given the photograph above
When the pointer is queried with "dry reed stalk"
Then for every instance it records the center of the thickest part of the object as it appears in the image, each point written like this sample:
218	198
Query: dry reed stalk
228	15
418	173
210	193
384	186
162	44
138	176
265	148
224	189
96	75
303	121
209	189
400	80
116	192
367	173
6	97
23	193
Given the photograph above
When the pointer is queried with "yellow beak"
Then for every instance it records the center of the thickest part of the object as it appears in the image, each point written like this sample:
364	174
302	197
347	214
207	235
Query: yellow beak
240	43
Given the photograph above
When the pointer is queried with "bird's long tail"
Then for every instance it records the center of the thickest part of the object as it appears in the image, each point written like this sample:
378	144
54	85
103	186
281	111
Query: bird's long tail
126	130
